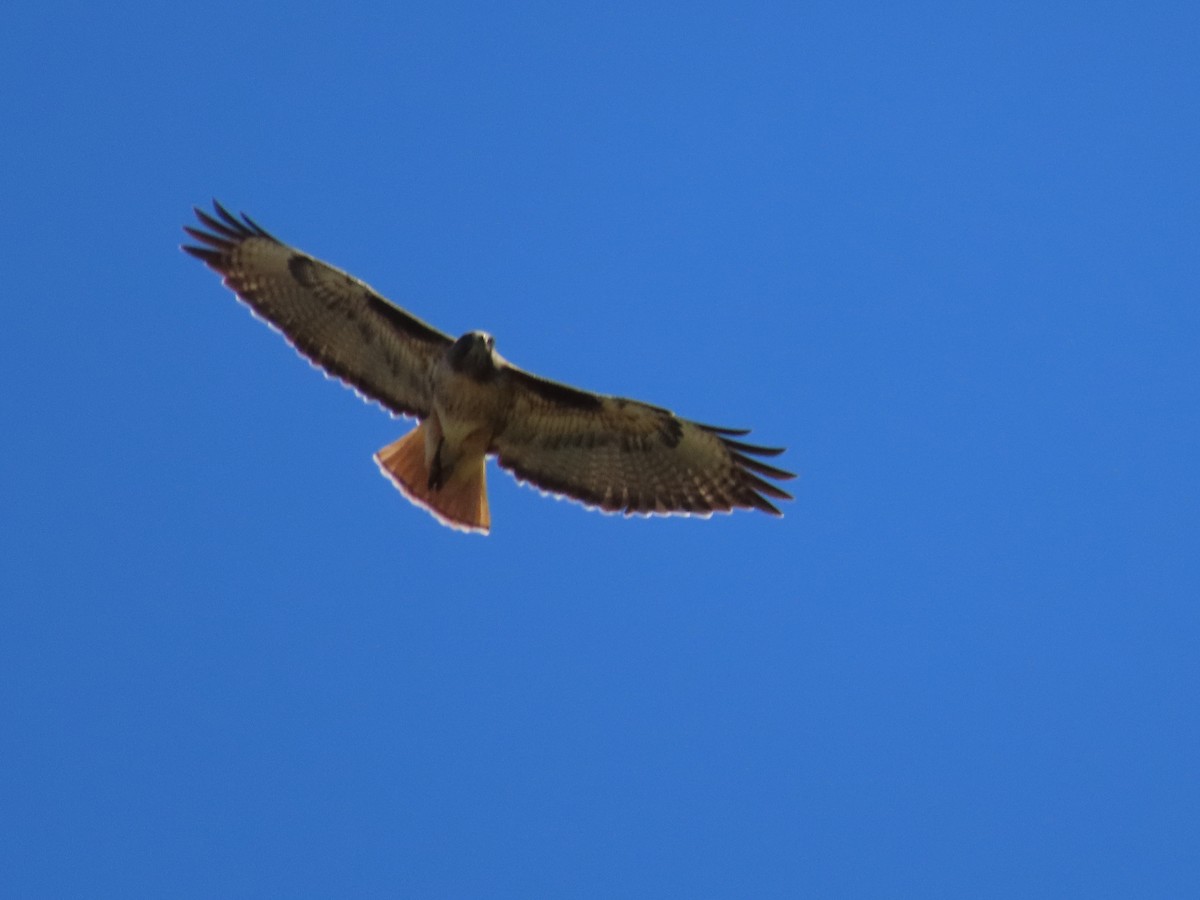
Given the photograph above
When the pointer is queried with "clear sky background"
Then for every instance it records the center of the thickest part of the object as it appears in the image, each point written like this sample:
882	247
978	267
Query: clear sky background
945	252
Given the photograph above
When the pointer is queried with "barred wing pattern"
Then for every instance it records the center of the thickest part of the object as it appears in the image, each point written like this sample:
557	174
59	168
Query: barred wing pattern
609	453
339	323
622	455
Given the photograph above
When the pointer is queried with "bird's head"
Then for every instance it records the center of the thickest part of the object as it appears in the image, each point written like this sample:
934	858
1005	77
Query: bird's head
474	354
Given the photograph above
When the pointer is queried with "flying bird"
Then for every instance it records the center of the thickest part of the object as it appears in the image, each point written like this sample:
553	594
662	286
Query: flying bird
609	453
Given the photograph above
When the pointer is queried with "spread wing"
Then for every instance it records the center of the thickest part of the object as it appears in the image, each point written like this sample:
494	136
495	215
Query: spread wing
334	320
622	455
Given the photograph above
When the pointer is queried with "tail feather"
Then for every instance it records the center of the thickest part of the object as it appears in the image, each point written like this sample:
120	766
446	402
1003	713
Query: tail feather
460	502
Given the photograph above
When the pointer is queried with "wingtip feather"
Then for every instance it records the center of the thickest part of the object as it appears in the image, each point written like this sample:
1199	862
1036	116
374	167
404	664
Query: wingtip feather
211	258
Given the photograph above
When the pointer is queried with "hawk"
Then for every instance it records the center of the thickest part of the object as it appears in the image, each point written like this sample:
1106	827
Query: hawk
609	453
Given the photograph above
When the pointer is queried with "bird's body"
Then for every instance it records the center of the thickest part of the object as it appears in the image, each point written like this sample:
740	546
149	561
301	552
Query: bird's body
607	452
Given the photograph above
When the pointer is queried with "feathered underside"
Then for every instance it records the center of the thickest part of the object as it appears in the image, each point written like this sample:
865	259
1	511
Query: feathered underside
609	453
339	323
621	455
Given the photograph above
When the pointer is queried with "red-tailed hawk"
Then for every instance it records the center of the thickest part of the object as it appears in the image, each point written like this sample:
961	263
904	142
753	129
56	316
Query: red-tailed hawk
606	452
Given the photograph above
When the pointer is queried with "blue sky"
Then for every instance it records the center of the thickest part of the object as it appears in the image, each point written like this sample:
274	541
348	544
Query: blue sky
946	253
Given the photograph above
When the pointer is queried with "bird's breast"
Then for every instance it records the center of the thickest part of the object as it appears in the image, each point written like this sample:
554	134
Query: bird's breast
465	405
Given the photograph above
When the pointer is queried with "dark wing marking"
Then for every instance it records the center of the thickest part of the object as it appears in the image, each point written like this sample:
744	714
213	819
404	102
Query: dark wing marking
625	456
336	321
553	391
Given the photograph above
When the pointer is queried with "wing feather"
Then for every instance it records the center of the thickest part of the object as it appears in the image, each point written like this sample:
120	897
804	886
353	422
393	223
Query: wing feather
626	456
334	320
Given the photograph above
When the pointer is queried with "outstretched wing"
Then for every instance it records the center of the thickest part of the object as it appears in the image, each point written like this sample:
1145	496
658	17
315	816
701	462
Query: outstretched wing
622	455
333	319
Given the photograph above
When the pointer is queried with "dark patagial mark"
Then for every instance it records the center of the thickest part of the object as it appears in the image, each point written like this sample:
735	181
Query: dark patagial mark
554	392
402	321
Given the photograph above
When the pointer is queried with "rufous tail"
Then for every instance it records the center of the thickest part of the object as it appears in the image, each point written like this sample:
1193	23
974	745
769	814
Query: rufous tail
460	502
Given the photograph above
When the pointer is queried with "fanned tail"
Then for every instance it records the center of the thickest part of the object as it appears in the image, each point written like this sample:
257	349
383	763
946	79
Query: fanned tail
460	502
